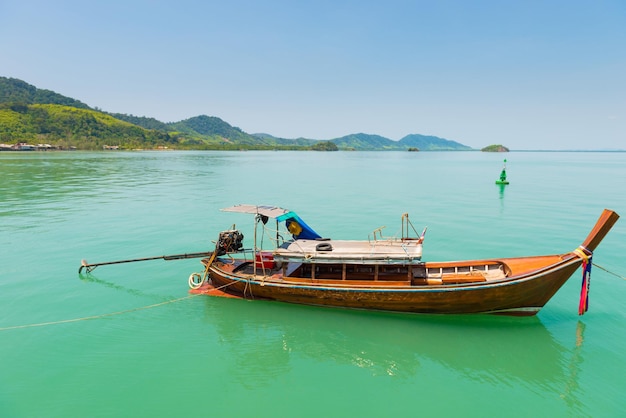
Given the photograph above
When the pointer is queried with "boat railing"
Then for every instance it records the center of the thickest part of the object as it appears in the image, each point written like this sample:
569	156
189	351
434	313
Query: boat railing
405	232
486	271
377	234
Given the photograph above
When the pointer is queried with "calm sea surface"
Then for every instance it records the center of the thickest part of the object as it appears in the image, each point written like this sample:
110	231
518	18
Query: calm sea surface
127	340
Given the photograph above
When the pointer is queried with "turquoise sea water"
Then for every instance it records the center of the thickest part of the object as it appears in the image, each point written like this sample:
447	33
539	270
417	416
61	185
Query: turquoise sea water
128	341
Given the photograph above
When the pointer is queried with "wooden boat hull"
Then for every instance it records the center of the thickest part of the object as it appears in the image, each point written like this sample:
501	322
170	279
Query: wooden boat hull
520	296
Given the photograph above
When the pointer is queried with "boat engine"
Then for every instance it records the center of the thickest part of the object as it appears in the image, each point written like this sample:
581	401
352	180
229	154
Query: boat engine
229	241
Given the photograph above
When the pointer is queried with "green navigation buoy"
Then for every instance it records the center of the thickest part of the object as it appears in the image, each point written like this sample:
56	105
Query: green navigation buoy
502	179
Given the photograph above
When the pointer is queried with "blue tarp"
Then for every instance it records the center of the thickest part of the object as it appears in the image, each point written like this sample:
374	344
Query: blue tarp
298	228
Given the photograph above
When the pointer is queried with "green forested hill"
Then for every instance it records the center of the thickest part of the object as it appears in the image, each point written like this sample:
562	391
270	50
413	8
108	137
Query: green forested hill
13	90
142	121
298	142
33	115
67	126
213	129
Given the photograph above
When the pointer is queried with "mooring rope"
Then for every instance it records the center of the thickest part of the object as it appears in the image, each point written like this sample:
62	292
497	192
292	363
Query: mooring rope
86	318
610	272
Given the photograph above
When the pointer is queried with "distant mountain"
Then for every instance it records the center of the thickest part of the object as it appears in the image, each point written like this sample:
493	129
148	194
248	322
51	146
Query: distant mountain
31	114
365	142
379	143
208	125
212	127
432	143
214	130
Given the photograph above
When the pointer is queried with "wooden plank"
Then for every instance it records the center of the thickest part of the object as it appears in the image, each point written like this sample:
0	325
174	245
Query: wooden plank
347	283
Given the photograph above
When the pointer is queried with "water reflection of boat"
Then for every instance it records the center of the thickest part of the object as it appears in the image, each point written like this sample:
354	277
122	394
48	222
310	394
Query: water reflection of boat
265	337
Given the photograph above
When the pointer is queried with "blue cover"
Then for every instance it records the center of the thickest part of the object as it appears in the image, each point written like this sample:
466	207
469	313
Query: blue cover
305	231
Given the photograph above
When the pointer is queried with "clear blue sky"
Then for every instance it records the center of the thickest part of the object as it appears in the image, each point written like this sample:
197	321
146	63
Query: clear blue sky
527	74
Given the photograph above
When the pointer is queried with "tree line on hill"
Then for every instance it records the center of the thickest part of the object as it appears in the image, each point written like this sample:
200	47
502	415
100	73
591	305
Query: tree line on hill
30	114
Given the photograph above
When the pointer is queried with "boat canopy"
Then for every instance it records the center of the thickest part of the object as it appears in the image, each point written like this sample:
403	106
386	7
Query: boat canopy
294	224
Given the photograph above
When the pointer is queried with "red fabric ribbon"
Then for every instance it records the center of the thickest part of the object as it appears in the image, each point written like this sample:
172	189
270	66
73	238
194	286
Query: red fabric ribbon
583	305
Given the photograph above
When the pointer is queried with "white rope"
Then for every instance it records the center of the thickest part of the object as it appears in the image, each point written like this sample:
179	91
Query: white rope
610	272
86	318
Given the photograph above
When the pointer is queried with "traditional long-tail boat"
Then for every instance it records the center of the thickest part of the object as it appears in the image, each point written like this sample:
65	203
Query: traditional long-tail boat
385	274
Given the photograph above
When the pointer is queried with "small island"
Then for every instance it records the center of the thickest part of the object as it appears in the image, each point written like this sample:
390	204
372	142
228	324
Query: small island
324	146
495	148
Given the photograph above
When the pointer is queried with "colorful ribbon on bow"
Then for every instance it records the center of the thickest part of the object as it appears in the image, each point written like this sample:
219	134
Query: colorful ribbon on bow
583	253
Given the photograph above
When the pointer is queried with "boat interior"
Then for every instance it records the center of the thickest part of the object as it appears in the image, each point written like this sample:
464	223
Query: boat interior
351	274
